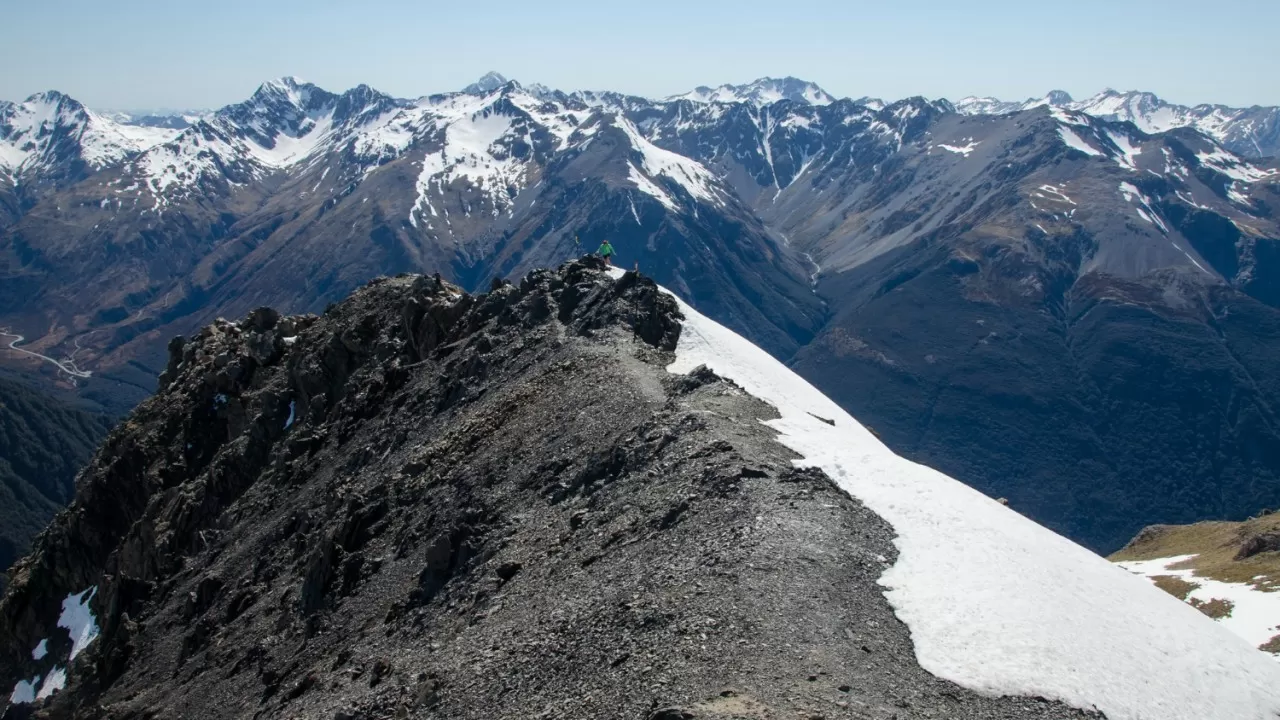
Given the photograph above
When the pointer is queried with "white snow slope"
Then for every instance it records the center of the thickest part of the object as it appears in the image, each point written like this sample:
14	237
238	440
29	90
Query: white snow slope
995	602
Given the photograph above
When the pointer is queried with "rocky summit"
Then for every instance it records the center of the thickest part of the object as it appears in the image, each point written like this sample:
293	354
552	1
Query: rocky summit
430	504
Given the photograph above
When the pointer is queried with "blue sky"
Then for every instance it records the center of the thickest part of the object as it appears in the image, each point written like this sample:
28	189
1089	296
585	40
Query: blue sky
181	54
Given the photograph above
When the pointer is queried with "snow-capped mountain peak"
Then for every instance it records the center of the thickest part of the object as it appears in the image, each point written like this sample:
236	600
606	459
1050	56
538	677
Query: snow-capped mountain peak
50	136
487	83
541	91
286	84
285	123
764	91
283	95
1058	97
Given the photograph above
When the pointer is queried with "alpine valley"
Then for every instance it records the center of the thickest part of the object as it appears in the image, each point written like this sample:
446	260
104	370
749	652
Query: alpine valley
1074	306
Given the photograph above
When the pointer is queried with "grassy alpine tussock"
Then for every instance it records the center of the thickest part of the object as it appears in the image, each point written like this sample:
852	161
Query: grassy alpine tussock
1229	571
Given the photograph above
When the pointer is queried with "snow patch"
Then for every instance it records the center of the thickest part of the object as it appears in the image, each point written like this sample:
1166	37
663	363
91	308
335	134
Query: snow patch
24	691
1128	150
1070	118
1234	195
1189	200
964	150
764	91
289	150
1254	615
1053	193
1148	213
39	131
182	163
648	187
1129	192
388	136
473	149
1076	142
79	621
143	137
55	681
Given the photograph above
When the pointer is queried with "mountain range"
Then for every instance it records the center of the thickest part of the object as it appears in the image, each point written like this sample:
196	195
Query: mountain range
1252	131
1061	309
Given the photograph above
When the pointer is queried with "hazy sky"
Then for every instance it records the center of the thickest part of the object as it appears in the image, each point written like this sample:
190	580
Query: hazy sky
181	54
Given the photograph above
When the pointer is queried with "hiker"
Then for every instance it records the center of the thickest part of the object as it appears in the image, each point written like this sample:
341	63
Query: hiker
606	252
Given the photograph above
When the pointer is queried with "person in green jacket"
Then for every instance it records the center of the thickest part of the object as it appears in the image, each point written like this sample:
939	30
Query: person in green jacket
606	252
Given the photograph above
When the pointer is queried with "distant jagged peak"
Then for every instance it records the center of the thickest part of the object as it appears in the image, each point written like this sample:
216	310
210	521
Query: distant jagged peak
52	99
286	83
908	108
541	91
1058	97
762	91
367	95
487	83
49	96
291	89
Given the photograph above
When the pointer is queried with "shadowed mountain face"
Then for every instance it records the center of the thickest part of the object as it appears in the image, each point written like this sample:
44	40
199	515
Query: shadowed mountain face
1057	336
1088	412
44	441
1062	310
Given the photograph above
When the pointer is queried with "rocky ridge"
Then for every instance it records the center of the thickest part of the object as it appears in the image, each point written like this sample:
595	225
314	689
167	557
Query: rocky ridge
425	503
